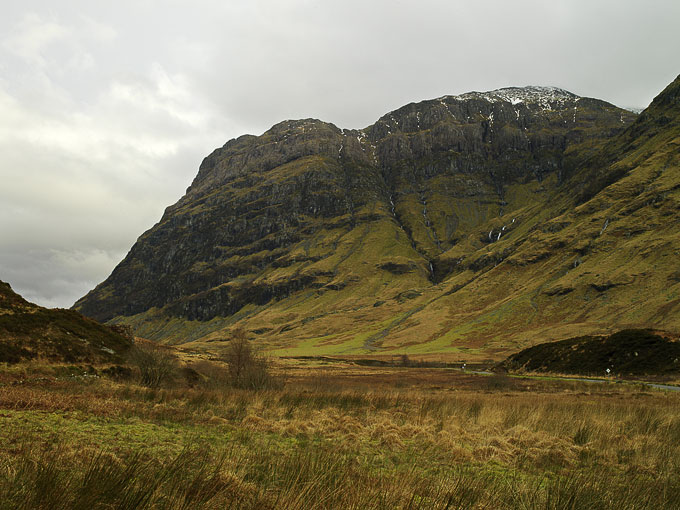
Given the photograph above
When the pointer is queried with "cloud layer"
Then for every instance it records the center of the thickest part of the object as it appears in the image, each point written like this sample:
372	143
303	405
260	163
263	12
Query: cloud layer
107	110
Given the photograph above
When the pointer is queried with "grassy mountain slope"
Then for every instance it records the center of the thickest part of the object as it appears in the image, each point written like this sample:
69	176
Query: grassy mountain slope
471	225
28	331
607	263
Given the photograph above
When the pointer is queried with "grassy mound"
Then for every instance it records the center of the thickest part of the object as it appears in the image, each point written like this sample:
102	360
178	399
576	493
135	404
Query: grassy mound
628	352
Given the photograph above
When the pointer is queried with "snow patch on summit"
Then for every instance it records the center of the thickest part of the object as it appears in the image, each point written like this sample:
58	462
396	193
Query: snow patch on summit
546	97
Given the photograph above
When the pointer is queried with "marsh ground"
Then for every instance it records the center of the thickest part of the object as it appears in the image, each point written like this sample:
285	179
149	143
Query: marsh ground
334	435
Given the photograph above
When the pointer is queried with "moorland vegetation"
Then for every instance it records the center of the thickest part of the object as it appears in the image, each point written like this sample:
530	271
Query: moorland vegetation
335	435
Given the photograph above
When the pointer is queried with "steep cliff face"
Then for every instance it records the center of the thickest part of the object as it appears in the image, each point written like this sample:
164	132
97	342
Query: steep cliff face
343	237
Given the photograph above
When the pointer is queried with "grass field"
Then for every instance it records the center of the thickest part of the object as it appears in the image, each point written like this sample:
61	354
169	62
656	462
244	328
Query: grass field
334	436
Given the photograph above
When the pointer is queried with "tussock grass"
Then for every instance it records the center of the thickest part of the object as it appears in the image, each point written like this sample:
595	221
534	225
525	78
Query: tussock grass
100	443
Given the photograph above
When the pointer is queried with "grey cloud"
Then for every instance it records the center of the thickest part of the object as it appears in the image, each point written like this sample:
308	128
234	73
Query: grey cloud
32	272
106	109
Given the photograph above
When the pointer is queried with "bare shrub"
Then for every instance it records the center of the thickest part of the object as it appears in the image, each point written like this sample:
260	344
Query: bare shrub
247	368
156	363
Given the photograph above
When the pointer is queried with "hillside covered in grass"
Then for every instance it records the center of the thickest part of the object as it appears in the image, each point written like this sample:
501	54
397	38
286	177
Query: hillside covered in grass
470	226
28	331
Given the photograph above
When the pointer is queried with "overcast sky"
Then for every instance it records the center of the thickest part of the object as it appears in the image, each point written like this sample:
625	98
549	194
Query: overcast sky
107	108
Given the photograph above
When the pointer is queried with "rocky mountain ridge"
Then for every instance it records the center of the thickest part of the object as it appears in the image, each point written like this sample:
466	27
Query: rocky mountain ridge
544	96
357	232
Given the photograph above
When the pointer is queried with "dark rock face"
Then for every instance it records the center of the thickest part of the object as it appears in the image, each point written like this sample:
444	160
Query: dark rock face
435	170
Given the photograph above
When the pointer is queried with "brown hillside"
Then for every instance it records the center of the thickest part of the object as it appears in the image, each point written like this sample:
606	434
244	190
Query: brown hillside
28	331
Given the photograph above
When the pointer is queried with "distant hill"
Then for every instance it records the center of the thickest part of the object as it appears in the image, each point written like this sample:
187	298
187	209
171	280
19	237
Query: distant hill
470	225
28	331
629	352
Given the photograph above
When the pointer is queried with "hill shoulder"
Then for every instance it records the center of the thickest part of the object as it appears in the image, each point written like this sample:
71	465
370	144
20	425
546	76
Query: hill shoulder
29	331
630	352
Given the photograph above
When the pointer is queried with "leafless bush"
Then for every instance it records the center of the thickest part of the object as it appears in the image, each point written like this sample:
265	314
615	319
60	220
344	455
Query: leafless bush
247	369
156	363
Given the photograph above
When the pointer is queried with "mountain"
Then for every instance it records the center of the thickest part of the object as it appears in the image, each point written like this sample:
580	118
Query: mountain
472	225
28	331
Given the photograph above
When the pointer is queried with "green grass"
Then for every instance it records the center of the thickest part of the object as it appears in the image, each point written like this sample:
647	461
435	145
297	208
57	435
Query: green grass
329	346
354	437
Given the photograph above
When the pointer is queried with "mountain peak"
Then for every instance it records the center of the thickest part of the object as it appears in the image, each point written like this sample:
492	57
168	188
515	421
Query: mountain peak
516	95
300	125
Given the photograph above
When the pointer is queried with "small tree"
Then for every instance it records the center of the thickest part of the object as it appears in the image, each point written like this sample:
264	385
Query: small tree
156	363
239	354
247	369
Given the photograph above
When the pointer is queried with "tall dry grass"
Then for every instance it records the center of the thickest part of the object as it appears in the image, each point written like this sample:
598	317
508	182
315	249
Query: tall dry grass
336	442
